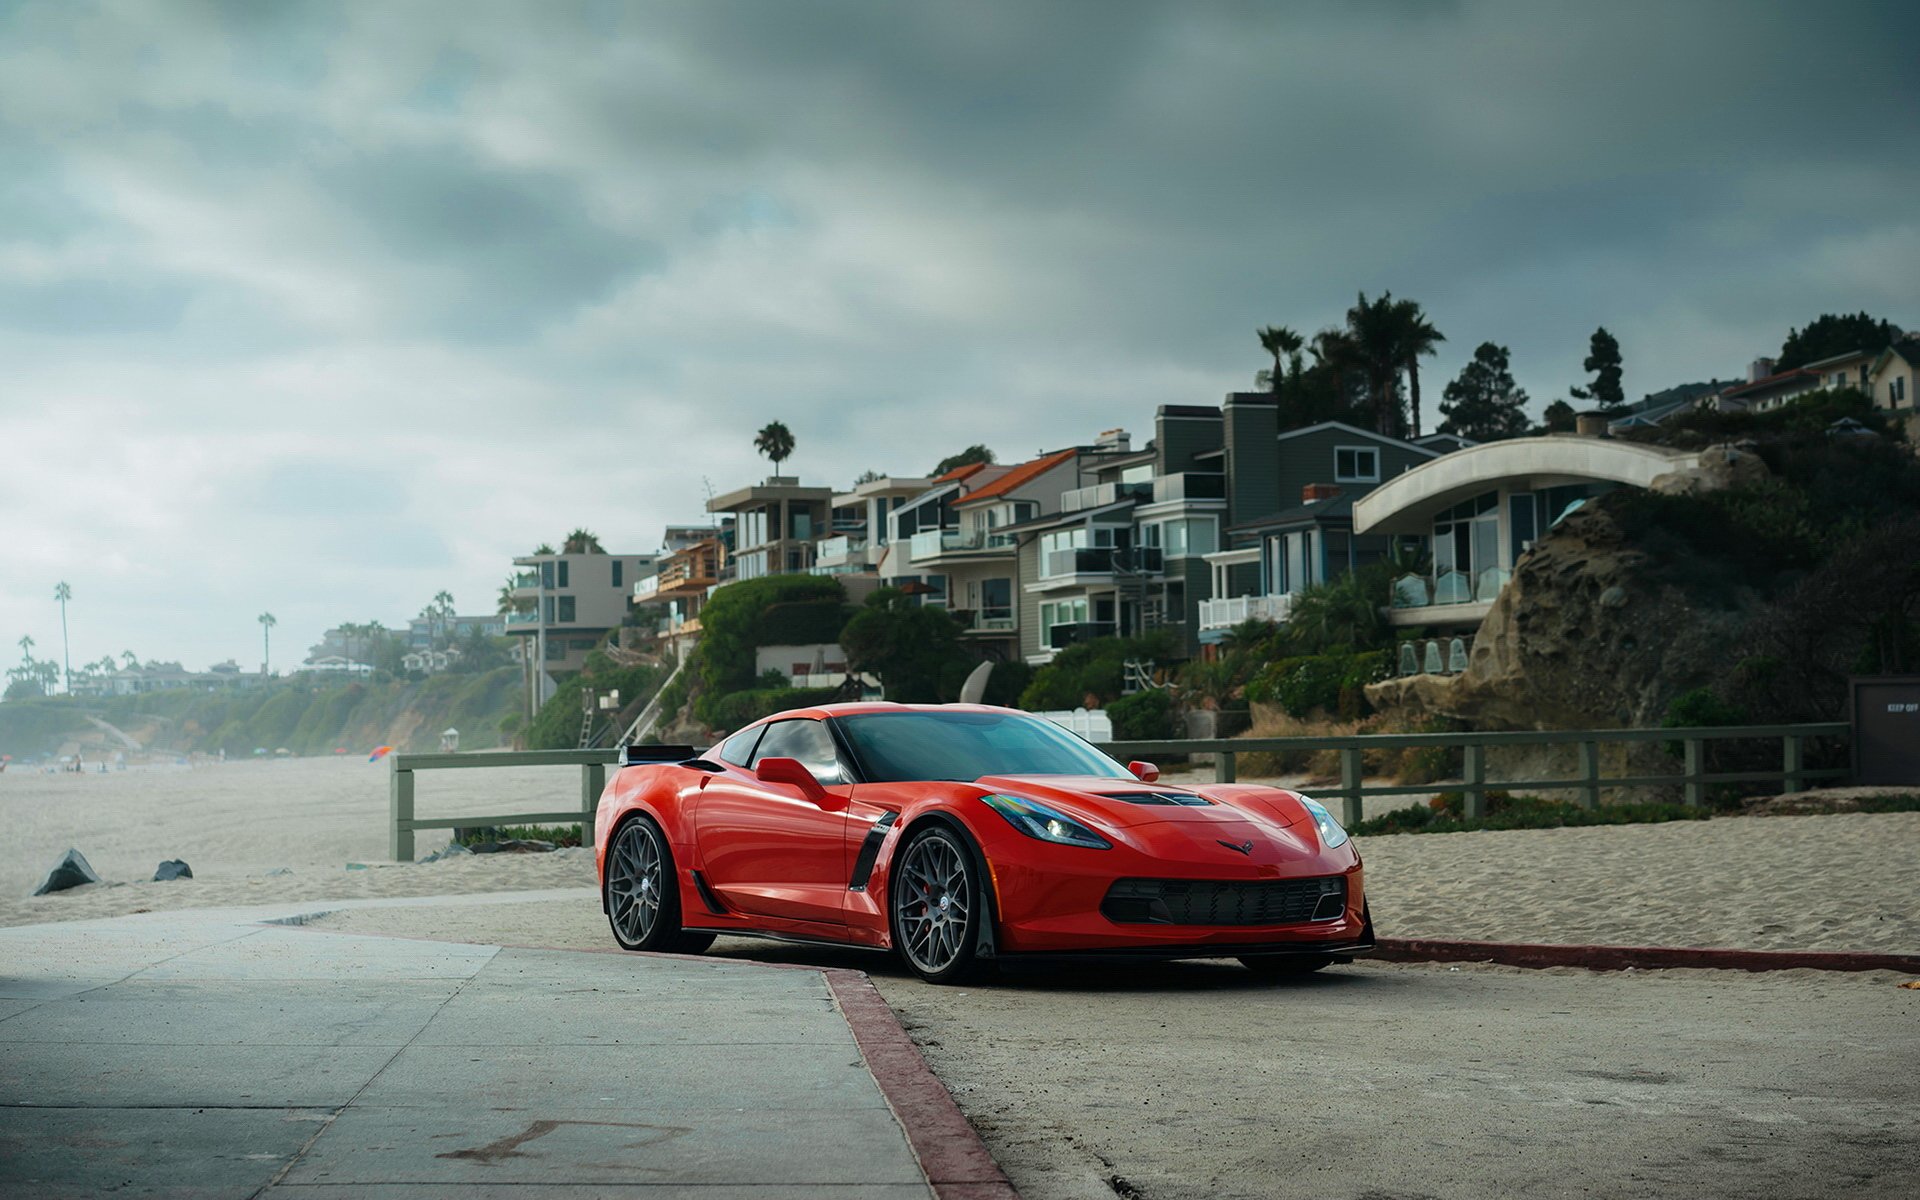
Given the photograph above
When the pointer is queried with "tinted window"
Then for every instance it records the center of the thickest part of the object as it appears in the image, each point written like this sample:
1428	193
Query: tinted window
738	749
897	747
805	740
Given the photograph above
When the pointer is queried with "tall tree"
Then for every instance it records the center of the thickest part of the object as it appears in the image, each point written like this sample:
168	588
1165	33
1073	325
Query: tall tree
63	593
1284	344
1418	339
443	608
1603	361
776	442
1374	330
1828	335
1483	402
581	541
976	453
267	622
26	644
132	660
1559	417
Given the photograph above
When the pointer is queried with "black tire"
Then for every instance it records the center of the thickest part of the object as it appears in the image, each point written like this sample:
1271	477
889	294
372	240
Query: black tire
935	903
643	901
1286	966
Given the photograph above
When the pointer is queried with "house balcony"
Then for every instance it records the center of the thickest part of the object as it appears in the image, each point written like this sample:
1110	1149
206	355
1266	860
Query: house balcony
987	622
1096	495
1234	610
1190	485
522	622
848	552
646	590
932	543
526	581
1446	598
1070	566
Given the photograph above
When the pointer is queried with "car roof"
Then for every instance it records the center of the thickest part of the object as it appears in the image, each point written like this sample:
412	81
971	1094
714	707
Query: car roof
862	707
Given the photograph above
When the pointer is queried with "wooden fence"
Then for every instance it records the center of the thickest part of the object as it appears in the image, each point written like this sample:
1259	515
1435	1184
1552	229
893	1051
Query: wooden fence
1692	778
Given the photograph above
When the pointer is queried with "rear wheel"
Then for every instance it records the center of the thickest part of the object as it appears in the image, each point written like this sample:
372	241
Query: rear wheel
1282	966
643	902
936	906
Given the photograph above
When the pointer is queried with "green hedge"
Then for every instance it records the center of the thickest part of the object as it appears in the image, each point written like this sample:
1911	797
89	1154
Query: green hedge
1331	682
1144	717
731	711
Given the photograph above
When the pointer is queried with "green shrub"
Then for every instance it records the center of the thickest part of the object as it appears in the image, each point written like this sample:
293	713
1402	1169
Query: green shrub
1094	668
559	835
1332	682
1446	814
731	711
1144	717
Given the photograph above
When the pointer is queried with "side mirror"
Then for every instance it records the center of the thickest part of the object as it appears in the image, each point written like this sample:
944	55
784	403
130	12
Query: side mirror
1145	772
790	771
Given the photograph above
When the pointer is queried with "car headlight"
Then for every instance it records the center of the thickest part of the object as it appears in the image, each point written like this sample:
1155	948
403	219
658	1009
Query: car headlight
1036	820
1332	833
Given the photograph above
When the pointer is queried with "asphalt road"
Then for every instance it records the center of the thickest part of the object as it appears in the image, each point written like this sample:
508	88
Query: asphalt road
1384	1082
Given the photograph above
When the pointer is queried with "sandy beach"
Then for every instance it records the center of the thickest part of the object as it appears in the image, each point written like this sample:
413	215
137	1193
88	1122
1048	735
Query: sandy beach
1839	882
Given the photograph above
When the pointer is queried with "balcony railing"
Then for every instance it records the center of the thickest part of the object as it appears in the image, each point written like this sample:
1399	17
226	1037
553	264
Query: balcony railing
1102	561
838	548
527	579
1059	637
646	588
1232	610
1190	485
522	618
1449	587
1095	495
999	619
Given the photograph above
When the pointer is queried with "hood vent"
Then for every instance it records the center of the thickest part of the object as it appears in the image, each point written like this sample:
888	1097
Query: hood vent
1173	799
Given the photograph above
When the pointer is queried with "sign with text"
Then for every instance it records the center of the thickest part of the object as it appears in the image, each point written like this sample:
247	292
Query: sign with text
1886	730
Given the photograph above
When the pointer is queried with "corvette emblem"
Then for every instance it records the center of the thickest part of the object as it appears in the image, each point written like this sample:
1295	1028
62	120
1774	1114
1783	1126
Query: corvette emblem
1241	847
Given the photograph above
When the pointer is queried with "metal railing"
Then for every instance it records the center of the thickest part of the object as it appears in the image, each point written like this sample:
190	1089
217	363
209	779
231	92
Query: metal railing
1693	777
1229	611
402	823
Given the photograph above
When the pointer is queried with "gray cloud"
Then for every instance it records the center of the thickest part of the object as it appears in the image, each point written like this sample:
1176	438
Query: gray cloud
382	294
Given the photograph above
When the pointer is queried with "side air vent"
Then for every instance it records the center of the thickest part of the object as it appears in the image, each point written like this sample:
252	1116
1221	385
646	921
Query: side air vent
1172	799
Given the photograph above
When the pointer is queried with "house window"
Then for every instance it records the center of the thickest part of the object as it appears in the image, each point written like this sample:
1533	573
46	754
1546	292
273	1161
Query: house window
618	569
562	566
566	610
549	610
1059	613
1896	390
1356	464
546	575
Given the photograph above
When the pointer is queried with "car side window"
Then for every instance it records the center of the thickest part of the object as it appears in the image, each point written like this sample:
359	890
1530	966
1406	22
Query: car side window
738	749
807	740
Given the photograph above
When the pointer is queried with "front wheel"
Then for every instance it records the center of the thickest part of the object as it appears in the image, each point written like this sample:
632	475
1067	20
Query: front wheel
643	903
936	905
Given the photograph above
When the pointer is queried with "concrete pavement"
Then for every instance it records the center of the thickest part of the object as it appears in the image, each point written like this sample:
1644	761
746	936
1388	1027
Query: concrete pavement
204	1054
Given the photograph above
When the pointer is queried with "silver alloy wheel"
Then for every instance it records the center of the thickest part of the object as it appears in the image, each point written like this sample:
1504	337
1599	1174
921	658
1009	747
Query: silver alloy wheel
634	882
932	896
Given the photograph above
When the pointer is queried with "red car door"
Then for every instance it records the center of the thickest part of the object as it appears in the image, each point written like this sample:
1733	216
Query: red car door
765	848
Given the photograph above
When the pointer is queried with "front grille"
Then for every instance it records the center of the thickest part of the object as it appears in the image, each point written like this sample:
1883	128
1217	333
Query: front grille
1225	902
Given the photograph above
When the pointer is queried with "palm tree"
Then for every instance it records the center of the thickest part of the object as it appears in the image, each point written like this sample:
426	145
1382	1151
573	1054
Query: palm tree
581	541
1281	342
267	622
1417	338
26	644
63	593
776	442
1333	352
443	606
1374	329
132	659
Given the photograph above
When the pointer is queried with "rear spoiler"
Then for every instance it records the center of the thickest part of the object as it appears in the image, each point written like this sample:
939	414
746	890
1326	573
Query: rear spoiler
637	754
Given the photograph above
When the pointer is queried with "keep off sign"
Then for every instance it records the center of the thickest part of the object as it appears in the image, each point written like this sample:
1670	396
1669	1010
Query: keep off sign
1886	730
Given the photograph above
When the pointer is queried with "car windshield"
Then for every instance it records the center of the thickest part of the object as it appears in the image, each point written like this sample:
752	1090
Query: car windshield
907	746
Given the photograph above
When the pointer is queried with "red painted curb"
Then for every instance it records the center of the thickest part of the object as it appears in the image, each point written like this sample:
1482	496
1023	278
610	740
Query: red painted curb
1643	958
956	1161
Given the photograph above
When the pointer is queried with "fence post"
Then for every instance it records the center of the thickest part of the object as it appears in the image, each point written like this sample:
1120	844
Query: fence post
593	781
1794	754
1590	772
400	804
1475	788
1350	784
1694	790
1224	768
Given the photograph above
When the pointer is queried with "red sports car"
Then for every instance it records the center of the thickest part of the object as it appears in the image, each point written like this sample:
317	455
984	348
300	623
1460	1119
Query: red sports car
961	834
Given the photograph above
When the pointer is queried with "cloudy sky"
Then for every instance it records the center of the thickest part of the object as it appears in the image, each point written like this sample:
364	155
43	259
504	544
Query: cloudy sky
322	308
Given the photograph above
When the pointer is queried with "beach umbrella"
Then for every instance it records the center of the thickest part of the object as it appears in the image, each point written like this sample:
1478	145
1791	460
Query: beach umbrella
379	752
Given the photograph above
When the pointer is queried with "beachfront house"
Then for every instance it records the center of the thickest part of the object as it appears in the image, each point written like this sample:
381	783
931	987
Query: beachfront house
1478	510
569	603
1290	500
858	529
775	525
1892	375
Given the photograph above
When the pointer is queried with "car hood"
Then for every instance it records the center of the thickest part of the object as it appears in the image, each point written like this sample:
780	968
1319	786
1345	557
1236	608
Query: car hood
1128	803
